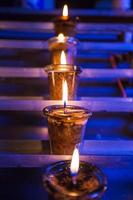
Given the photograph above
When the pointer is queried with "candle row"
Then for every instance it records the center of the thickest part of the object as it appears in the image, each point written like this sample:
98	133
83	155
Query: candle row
68	180
66	124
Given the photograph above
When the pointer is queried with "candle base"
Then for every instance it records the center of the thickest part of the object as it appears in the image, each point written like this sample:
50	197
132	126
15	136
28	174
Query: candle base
66	129
67	25
91	182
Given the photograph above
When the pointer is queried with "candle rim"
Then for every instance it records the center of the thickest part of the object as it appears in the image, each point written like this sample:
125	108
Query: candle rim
68	39
72	20
63	68
50	111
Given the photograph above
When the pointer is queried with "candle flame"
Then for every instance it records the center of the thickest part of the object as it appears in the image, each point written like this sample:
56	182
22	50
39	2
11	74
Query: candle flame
63	58
74	167
65	11
61	37
65	92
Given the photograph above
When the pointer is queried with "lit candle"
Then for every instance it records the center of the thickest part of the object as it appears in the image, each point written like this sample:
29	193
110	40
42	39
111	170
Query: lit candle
74	167
72	180
57	73
63	43
66	126
65	12
65	24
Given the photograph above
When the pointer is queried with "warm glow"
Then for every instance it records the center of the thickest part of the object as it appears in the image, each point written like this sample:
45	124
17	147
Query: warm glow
63	58
65	11
74	167
65	92
61	37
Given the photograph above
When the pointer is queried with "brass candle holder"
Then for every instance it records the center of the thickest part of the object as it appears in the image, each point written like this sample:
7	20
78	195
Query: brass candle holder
63	43
57	74
66	127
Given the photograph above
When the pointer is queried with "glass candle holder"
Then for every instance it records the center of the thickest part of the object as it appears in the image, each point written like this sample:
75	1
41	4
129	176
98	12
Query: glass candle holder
91	182
66	127
68	45
65	25
57	74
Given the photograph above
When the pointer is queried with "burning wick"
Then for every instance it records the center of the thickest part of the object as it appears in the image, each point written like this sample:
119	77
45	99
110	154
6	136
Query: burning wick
74	167
61	38
65	94
65	11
